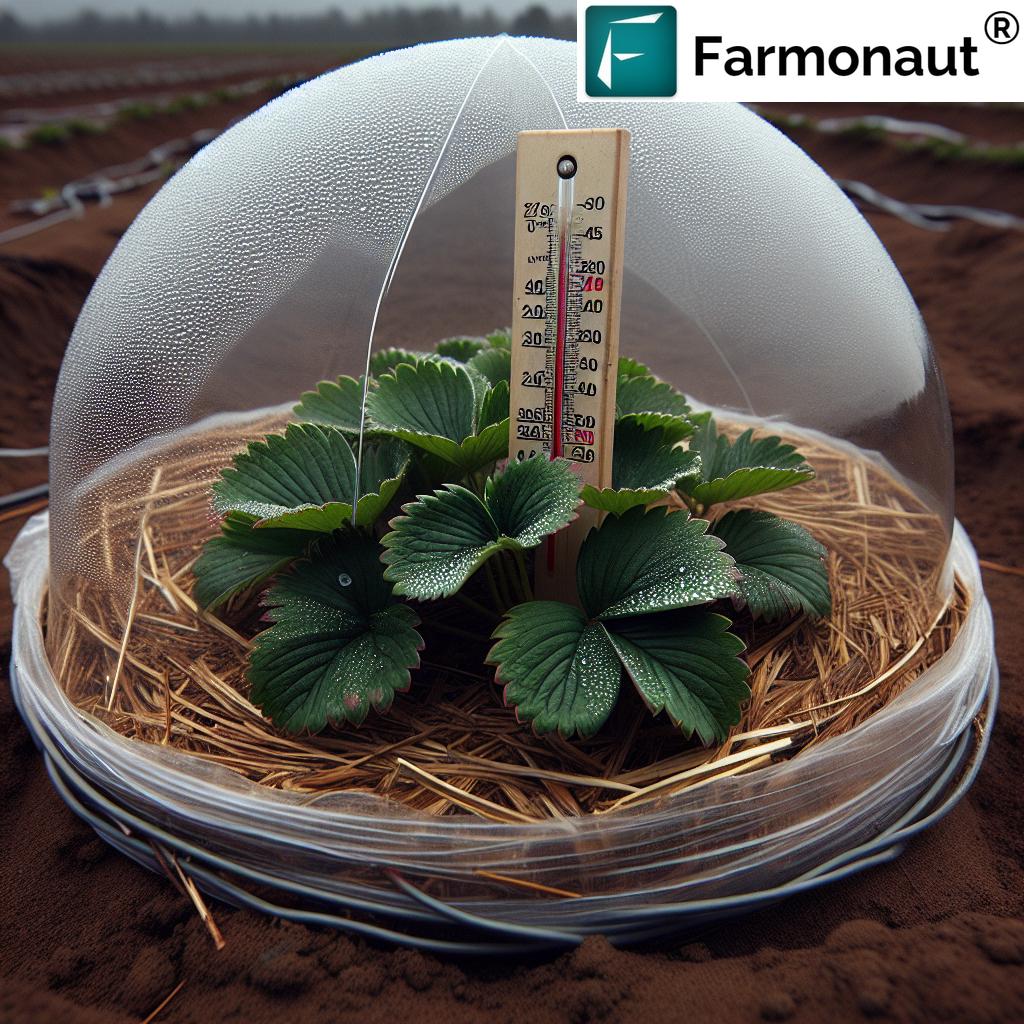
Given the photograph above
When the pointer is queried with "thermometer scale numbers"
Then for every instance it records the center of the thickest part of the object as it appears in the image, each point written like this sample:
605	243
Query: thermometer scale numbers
567	267
570	218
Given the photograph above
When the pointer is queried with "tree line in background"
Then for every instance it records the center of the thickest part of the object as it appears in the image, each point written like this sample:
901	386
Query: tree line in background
393	26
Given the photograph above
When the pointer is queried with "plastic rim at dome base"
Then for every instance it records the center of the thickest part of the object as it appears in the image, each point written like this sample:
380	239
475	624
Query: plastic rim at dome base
322	866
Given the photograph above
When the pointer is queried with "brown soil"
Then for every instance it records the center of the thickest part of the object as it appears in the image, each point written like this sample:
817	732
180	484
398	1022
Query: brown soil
937	935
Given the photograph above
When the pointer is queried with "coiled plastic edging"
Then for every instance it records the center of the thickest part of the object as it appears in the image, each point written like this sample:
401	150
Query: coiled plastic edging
425	921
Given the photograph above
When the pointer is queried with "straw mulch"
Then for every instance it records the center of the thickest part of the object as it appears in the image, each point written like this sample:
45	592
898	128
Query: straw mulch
159	670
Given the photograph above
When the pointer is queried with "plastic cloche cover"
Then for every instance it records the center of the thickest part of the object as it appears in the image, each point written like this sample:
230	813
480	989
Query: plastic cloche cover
375	205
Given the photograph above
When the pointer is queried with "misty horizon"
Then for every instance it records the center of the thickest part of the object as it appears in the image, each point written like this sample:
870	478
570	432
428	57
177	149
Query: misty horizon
39	12
373	28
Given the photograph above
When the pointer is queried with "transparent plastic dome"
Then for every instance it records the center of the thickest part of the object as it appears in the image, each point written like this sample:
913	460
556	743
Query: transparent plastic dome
374	206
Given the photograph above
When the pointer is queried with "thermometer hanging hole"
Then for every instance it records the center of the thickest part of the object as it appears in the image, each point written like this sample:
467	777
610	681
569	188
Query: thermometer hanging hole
566	167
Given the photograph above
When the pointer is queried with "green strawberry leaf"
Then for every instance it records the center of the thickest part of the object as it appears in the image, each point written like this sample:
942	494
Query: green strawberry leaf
645	467
559	670
632	368
241	557
743	468
674	428
434	405
387	359
654	560
783	566
481	388
484	448
460	349
340	643
635	394
480	383
433	398
382	468
619	501
533	498
444	537
648	458
648	402
305	479
494	408
494	363
687	664
429	399
501	338
338	403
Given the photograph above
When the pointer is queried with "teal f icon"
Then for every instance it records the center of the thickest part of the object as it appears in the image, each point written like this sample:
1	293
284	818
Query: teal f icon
630	51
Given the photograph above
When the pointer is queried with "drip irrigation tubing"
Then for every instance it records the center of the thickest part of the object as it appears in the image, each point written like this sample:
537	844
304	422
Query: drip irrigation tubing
20	497
891	126
930	216
102	185
23	453
30	493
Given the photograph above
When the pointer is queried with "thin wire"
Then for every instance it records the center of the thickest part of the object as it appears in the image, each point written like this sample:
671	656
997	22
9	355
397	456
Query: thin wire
393	265
544	82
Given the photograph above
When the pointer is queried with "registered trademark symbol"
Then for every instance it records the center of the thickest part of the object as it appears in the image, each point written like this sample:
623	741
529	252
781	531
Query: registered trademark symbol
1002	27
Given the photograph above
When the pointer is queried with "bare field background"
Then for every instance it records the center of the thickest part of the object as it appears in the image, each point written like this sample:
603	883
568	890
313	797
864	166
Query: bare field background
87	936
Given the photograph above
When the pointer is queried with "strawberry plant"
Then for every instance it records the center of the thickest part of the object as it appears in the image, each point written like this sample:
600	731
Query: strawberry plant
351	544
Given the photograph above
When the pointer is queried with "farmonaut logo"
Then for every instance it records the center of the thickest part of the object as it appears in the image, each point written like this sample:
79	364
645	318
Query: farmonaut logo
630	51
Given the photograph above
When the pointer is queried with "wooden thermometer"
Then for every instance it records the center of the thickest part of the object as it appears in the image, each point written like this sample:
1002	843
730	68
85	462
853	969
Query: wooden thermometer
570	219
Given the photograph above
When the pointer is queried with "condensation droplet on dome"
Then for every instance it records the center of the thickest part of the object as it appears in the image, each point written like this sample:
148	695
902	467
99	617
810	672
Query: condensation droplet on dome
344	580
